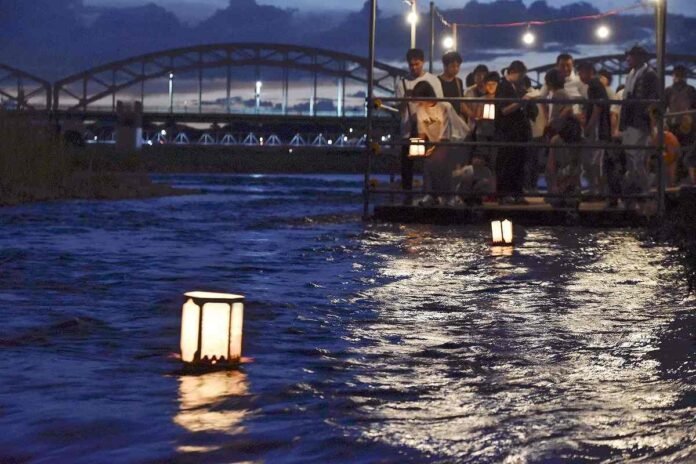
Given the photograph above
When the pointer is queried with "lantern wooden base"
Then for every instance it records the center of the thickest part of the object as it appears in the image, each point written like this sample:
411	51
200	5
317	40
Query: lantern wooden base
200	368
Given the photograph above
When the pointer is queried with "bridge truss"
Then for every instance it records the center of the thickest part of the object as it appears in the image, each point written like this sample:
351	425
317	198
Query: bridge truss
616	65
20	90
79	91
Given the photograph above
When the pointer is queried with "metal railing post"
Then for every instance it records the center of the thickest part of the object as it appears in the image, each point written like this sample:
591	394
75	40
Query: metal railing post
432	36
661	32
370	108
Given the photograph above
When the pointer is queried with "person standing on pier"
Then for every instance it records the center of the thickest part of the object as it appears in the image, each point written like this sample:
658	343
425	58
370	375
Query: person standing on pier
641	84
680	95
453	87
416	60
512	125
597	128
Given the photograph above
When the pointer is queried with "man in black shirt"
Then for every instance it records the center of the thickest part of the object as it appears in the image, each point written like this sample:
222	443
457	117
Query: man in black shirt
597	129
452	85
512	125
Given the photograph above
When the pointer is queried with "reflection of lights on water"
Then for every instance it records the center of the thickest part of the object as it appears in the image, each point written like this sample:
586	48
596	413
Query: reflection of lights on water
200	399
568	347
502	251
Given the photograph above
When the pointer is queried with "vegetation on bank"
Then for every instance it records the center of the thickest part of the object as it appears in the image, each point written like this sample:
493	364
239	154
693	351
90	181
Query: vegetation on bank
36	165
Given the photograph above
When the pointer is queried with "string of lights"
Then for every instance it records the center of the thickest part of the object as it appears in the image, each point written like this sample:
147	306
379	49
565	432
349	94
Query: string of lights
602	32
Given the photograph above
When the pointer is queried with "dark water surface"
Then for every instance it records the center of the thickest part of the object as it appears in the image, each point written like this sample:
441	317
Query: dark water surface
370	342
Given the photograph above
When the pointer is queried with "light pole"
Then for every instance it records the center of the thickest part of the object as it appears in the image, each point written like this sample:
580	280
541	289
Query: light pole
259	84
432	36
412	18
171	92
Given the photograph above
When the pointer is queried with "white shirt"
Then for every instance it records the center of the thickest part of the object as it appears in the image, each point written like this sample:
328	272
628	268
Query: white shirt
574	89
406	122
440	122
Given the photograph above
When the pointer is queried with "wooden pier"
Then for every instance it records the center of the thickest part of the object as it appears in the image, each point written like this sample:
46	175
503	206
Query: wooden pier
536	213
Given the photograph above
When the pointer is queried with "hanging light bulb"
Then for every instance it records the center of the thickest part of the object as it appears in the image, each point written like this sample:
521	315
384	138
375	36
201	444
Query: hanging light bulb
448	43
603	32
528	38
412	17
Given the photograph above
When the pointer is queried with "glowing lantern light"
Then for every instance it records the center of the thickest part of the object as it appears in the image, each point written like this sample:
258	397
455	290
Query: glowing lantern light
502	232
489	111
211	328
412	17
448	42
416	148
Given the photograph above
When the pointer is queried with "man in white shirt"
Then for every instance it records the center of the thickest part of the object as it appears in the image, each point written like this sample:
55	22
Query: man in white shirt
573	86
416	60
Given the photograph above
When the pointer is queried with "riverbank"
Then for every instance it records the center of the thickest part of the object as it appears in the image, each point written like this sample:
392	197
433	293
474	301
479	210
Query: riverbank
36	165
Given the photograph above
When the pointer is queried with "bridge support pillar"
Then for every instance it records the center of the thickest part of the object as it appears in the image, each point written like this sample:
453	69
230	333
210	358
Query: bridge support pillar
129	126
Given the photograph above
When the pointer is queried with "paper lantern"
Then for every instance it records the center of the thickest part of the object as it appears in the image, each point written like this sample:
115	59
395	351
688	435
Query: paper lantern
416	147
489	111
502	232
211	328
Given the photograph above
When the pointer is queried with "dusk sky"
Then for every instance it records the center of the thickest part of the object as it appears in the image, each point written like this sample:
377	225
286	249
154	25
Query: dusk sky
196	9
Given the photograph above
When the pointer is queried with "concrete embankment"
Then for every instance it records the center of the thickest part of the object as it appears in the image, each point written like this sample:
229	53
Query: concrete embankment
236	159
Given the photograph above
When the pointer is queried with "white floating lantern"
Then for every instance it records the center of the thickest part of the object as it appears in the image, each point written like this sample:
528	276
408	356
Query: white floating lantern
416	148
502	232
489	111
211	328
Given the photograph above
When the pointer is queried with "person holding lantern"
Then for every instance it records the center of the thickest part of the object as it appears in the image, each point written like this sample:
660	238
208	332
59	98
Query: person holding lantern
437	122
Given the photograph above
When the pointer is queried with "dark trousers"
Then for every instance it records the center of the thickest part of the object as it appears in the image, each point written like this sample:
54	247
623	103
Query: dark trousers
406	169
614	169
509	170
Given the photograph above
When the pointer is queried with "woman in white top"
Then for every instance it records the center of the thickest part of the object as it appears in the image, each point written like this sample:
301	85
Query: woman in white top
437	122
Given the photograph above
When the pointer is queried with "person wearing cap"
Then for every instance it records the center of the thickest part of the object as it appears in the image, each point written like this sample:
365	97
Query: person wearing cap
641	84
416	60
512	125
680	95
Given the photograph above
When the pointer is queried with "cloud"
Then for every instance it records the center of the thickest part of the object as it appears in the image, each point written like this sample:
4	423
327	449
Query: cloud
54	38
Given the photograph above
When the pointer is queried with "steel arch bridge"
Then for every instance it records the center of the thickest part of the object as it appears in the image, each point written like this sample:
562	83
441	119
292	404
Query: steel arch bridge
20	90
87	87
616	64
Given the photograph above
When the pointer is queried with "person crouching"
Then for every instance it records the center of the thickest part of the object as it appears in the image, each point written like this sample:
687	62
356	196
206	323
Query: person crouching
437	122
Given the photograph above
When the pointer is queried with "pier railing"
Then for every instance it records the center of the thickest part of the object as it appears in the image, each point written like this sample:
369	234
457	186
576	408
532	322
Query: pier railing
657	148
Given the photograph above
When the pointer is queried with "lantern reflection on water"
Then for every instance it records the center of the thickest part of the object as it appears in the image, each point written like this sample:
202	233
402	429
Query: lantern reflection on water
211	328
202	407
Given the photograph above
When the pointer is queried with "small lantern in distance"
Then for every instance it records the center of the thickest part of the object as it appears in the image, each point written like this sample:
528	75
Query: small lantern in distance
211	329
502	232
416	148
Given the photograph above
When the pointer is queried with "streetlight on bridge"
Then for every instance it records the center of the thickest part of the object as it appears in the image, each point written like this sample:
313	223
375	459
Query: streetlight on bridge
259	84
171	92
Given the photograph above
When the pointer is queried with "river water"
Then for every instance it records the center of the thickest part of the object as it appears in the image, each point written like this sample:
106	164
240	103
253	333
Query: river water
367	342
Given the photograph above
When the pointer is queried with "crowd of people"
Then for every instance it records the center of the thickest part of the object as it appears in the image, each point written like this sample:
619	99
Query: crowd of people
570	158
